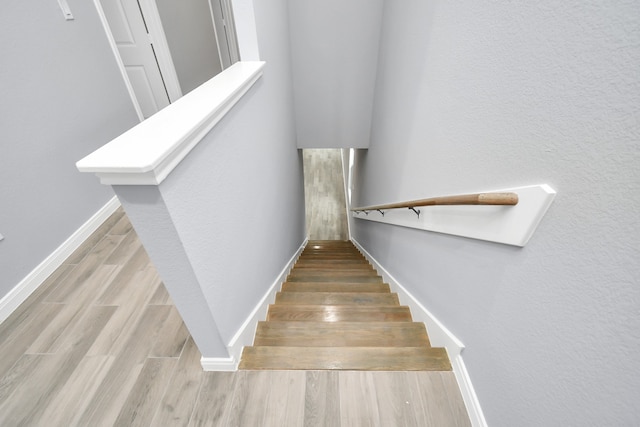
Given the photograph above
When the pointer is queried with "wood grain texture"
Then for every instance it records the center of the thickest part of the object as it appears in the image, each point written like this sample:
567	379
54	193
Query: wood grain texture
322	399
341	334
181	392
346	358
150	386
117	354
337	298
358	405
339	313
334	287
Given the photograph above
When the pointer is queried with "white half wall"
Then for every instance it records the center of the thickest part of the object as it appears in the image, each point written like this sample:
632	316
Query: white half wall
221	225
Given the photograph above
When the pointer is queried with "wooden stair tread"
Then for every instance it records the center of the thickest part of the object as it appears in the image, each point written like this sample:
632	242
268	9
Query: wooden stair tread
346	358
339	313
342	334
333	265
333	278
346	258
334	287
337	298
333	272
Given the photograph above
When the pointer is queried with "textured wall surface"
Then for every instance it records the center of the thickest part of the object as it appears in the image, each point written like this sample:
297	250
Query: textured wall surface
479	95
334	45
62	97
234	206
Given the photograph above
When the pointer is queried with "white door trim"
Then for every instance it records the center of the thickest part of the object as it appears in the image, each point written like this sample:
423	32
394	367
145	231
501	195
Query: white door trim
161	48
227	10
221	38
114	48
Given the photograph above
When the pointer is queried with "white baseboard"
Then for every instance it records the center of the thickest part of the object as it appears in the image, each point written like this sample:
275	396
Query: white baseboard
244	336
220	364
439	336
38	275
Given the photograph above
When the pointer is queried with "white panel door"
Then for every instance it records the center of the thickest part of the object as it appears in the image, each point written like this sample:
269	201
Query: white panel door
136	50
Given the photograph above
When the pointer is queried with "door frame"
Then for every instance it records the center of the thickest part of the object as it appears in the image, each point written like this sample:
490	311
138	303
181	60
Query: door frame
161	49
225	29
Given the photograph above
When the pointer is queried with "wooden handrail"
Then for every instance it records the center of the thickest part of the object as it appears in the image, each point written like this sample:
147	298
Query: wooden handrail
508	199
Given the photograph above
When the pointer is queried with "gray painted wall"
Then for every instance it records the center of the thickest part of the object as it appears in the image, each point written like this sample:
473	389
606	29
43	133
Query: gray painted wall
334	46
488	94
62	98
236	203
192	41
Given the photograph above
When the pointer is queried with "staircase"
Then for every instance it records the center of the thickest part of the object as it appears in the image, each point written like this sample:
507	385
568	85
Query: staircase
334	312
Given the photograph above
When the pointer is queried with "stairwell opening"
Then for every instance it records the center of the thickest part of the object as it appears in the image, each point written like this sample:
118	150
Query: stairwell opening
325	202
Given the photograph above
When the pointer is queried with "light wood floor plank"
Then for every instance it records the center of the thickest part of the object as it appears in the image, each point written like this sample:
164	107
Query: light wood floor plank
79	254
125	249
72	283
69	404
435	397
122	227
121	284
182	391
126	318
285	400
358	400
19	317
215	400
250	399
150	387
396	401
17	343
41	385
72	313
122	376
172	337
322	399
161	296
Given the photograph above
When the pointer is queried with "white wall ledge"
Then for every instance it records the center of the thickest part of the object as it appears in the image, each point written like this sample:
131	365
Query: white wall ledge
147	153
511	225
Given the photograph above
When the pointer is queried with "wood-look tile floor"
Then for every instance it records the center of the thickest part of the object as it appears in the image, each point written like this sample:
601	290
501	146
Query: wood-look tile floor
325	203
100	343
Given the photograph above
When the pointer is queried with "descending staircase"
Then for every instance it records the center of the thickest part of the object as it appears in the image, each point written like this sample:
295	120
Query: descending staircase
334	312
